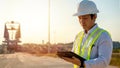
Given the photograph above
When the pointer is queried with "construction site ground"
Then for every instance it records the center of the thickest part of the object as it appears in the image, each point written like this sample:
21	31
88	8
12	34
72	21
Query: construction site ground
24	60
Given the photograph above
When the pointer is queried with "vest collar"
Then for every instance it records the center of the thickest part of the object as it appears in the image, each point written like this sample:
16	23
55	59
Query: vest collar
92	29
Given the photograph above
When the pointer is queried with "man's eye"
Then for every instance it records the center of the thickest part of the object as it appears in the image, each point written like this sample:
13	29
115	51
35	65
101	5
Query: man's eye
84	18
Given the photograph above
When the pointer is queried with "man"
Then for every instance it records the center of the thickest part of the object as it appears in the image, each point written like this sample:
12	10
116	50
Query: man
94	44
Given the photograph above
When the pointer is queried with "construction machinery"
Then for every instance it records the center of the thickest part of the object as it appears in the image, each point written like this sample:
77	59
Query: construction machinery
12	35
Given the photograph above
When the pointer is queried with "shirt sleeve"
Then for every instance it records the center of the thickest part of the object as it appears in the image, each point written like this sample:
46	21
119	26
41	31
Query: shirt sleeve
105	46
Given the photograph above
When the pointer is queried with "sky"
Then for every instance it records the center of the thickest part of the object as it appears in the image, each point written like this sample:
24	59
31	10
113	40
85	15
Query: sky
33	18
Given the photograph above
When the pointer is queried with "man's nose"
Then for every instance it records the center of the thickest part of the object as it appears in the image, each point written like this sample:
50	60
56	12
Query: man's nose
82	20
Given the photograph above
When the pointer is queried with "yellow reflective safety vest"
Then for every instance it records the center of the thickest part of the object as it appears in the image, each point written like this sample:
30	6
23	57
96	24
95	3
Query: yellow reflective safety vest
85	50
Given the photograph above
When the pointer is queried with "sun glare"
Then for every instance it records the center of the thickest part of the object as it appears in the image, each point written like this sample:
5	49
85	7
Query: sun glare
32	16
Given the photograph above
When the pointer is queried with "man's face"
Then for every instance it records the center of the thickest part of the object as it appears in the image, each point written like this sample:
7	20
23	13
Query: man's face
86	21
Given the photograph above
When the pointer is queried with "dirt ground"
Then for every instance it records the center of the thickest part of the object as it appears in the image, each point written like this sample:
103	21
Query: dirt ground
23	60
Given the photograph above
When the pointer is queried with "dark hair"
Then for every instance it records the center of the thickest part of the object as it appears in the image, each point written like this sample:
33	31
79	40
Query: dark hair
92	15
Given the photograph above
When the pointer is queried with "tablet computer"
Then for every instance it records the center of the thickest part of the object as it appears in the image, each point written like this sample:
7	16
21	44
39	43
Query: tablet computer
70	54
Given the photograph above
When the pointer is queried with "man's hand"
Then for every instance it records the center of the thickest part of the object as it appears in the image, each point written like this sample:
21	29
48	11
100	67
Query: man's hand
73	60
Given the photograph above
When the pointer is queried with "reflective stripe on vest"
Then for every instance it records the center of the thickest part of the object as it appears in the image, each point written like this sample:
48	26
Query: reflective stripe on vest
85	50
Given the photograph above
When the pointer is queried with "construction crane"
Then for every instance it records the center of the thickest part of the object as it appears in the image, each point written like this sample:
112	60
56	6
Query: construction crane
12	35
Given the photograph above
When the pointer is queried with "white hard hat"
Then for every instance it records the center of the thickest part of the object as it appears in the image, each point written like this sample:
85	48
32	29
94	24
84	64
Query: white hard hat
86	7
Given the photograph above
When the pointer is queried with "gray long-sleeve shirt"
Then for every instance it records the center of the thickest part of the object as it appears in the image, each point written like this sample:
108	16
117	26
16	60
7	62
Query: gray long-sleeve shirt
101	51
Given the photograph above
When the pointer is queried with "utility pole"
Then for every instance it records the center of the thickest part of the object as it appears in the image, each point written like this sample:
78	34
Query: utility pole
48	26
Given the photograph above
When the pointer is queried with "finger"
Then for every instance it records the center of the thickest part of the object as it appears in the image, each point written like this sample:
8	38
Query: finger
75	58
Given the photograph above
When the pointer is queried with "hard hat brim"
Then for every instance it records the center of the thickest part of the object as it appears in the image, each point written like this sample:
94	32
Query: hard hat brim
78	14
84	13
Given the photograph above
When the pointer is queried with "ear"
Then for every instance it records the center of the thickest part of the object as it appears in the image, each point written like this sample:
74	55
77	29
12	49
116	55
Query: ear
95	16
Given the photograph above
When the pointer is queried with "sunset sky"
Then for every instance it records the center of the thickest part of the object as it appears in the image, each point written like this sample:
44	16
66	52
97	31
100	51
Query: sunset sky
33	17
